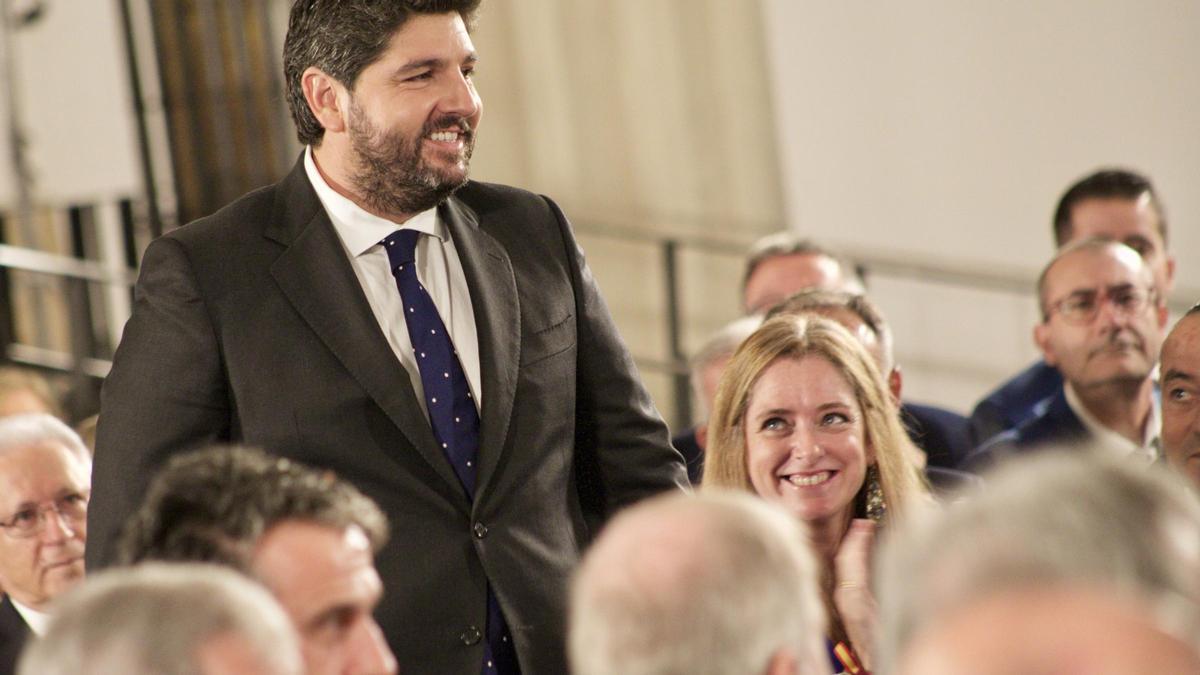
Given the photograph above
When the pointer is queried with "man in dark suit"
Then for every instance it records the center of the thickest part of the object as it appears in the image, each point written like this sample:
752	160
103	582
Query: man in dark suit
44	477
439	343
1115	204
1102	325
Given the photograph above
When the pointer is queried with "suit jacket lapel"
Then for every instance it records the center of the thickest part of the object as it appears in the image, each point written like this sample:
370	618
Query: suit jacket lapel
317	279
493	287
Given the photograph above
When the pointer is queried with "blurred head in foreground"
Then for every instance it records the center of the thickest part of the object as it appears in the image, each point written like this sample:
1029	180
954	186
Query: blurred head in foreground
160	619
1075	543
719	584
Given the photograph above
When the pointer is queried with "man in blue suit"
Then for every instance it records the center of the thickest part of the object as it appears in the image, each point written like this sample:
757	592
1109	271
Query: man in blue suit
1116	204
1103	321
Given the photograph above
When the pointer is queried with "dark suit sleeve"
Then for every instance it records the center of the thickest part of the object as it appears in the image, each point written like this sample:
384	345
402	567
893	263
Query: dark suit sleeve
166	392
623	449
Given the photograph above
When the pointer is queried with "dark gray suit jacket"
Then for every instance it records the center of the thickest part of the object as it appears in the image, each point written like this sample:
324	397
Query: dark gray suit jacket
250	326
13	634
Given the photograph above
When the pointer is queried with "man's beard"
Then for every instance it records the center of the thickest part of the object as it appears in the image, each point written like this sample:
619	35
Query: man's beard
391	176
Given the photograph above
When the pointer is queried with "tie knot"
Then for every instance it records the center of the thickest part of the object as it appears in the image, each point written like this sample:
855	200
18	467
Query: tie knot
401	247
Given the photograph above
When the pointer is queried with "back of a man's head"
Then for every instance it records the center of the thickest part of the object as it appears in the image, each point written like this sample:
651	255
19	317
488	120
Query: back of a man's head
214	505
782	264
1065	519
160	619
717	584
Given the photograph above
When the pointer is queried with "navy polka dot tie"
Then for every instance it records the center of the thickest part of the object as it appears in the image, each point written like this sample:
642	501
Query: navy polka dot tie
452	413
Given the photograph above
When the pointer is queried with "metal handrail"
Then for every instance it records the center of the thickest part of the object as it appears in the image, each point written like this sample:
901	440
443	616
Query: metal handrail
32	260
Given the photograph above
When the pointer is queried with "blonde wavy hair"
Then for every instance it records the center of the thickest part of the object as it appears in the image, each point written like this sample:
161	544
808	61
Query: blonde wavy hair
795	337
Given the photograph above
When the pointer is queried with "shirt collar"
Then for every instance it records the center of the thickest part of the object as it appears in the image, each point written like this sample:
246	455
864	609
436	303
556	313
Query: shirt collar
37	621
1112	439
358	229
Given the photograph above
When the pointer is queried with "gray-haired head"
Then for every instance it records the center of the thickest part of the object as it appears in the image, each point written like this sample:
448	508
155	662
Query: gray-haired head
214	505
716	350
20	431
159	619
1057	519
719	583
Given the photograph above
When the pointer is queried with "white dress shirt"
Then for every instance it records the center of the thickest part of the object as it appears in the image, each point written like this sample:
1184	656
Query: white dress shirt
1110	440
37	621
438	268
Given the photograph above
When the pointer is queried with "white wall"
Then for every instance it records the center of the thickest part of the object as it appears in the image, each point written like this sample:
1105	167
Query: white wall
74	100
945	130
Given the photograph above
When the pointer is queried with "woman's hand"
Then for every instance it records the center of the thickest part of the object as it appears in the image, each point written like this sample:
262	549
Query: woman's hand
852	593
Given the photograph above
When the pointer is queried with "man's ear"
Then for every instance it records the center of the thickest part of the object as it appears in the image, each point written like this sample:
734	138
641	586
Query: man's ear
321	92
702	435
895	380
1163	314
1041	337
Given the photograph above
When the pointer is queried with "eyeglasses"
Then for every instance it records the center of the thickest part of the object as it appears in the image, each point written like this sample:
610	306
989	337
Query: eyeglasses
30	521
1081	307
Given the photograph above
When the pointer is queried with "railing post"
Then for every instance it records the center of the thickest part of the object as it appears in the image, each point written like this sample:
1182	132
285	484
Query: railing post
682	415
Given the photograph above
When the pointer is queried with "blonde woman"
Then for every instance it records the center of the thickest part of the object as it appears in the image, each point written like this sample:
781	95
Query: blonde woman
803	419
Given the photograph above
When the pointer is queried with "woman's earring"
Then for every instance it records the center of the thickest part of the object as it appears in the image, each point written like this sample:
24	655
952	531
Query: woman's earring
876	506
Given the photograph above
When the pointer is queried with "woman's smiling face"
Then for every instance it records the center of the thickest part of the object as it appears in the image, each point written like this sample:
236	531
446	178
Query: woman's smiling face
805	439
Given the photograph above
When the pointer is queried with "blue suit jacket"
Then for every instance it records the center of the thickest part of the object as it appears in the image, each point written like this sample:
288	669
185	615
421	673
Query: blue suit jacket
1053	423
1013	402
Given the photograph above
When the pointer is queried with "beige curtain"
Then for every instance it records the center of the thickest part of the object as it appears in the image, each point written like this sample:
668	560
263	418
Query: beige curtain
644	119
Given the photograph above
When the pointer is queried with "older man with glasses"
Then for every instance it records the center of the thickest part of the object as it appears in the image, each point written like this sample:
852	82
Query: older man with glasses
1103	321
45	482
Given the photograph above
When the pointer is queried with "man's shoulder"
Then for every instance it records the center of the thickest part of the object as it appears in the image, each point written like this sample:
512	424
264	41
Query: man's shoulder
1020	392
1053	424
13	632
941	433
290	202
494	200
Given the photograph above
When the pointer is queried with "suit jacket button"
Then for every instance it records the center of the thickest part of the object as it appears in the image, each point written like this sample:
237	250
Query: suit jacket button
471	636
480	530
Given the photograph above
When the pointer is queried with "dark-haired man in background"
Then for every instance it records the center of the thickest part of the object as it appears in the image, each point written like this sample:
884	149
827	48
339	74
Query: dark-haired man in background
1116	204
437	342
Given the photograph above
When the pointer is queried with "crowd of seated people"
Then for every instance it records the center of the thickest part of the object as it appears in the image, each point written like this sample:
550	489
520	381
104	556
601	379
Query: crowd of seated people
835	527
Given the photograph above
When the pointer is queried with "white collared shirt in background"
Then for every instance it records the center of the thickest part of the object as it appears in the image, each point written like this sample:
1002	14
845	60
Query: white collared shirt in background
1111	440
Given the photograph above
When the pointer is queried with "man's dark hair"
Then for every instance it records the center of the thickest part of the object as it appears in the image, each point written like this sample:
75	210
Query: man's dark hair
214	505
1105	184
342	37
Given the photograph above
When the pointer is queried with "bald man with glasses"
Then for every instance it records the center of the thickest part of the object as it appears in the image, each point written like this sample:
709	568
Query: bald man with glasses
45	482
1103	322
